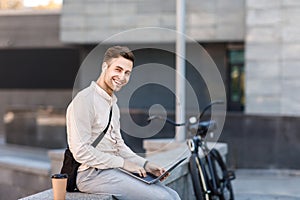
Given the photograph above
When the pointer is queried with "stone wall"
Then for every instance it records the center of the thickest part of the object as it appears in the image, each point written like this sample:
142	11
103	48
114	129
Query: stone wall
272	57
22	176
29	29
12	99
95	21
37	127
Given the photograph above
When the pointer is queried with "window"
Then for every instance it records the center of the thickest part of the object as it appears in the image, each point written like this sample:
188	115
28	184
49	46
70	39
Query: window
236	77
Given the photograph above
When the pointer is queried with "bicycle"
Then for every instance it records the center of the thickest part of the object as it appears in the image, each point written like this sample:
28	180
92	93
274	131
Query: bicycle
210	177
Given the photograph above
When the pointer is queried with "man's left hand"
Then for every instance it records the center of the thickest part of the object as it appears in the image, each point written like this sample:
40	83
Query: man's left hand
155	169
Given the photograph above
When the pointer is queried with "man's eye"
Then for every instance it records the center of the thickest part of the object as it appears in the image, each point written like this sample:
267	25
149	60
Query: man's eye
127	73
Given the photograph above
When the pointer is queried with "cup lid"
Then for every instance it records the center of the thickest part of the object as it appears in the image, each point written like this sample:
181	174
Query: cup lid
59	176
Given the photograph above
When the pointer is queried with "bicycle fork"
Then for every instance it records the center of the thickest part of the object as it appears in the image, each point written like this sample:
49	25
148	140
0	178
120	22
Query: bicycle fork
194	148
202	179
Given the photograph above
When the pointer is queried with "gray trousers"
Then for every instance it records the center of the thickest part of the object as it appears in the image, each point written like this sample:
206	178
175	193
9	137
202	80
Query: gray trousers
122	186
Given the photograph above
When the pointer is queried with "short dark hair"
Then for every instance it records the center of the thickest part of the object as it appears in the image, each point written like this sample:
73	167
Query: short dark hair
117	51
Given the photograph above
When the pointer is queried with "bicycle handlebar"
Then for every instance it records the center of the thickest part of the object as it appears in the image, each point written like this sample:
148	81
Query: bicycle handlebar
182	124
199	128
208	106
202	128
167	120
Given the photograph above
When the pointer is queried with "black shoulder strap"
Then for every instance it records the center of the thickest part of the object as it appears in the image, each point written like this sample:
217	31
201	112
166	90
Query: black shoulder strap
99	138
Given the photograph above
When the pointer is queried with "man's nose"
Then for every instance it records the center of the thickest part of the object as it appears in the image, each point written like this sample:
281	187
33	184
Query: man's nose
122	76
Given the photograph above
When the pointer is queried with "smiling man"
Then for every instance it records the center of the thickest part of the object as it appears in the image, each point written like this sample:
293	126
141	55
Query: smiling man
87	116
116	71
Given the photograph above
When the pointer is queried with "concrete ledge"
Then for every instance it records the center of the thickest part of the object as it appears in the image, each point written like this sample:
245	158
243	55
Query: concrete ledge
179	179
48	194
22	176
25	165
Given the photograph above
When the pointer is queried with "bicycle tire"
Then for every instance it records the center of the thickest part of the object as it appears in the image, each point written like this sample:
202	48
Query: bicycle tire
196	180
221	172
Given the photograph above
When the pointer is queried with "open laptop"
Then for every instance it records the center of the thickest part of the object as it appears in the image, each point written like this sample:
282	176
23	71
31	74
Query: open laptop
150	178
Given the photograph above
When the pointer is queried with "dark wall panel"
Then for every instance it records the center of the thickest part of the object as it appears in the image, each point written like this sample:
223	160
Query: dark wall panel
262	141
38	68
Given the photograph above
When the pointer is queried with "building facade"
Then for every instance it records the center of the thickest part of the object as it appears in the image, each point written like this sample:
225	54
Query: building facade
272	57
261	81
254	43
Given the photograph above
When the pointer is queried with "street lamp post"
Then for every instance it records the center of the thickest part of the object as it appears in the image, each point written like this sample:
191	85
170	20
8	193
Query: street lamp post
180	69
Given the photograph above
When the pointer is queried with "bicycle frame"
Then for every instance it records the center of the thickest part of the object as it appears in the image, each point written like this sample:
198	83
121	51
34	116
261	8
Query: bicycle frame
194	148
207	176
205	171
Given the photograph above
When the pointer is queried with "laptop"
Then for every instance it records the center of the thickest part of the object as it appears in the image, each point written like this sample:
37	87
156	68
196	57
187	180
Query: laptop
150	178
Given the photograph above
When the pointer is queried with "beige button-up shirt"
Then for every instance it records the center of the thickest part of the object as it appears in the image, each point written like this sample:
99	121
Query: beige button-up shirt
87	116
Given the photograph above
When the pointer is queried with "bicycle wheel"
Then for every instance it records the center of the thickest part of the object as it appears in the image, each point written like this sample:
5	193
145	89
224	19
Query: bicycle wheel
223	176
196	177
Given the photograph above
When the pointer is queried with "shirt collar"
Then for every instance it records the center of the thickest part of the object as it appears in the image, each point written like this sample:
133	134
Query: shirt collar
103	93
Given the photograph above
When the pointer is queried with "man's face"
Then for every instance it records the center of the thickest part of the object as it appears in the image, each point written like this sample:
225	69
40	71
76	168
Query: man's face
117	74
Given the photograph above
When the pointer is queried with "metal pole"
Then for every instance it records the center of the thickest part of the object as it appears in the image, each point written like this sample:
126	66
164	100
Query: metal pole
180	69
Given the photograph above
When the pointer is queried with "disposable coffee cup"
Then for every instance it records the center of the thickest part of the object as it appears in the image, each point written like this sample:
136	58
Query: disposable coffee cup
59	186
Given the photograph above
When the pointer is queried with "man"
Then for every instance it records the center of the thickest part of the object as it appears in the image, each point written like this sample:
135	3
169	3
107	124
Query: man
87	117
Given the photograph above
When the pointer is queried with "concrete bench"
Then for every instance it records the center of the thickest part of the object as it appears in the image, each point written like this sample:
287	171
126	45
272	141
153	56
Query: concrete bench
179	179
22	175
48	194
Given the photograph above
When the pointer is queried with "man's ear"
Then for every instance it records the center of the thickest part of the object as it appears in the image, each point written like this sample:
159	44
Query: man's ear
104	66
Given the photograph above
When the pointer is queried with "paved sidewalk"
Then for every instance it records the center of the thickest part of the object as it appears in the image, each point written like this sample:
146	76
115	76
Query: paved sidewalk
267	184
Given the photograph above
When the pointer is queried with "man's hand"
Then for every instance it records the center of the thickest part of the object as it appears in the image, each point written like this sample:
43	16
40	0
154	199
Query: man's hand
132	167
155	170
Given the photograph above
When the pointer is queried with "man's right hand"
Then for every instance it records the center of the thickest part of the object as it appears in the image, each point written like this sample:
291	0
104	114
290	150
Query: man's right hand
132	167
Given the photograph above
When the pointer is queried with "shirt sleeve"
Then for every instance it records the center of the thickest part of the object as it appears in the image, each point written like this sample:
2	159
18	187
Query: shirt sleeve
124	151
80	116
127	153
